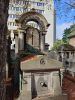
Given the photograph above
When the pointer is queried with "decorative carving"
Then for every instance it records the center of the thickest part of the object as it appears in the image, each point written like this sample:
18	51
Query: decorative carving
34	16
42	23
36	19
42	85
42	61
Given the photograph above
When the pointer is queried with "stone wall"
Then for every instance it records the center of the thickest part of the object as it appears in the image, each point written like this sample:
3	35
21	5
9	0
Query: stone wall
25	87
39	84
47	84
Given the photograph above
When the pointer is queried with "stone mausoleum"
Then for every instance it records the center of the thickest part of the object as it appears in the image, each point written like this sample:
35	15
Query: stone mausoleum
39	74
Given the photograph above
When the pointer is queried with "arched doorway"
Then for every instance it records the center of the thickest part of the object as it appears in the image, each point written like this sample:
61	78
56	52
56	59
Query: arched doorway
35	35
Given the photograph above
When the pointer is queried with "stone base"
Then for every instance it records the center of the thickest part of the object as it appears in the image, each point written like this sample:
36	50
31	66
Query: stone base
25	96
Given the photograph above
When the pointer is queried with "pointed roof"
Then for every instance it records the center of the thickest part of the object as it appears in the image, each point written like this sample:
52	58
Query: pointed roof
40	62
66	47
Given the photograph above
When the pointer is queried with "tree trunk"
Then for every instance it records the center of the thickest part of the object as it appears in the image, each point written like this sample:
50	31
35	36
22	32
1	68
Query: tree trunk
3	32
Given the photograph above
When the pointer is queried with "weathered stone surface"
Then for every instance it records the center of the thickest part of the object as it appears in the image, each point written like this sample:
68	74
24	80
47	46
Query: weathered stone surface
36	17
36	37
40	63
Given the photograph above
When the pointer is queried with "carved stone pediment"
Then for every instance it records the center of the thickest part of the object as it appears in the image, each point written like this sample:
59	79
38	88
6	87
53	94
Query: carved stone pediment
40	63
36	17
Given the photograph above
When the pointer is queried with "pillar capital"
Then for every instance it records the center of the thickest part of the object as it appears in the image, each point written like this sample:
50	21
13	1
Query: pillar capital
42	42
15	32
43	32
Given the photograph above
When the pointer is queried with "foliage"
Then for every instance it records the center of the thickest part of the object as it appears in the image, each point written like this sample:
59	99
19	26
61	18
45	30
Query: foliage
66	33
64	40
66	14
57	44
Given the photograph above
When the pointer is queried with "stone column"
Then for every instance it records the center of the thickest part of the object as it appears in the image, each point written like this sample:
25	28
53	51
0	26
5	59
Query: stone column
50	83
26	92
24	34
56	83
42	41
21	40
16	43
61	72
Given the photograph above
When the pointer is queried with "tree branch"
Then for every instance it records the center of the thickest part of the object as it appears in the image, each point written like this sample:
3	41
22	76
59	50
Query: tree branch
72	5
